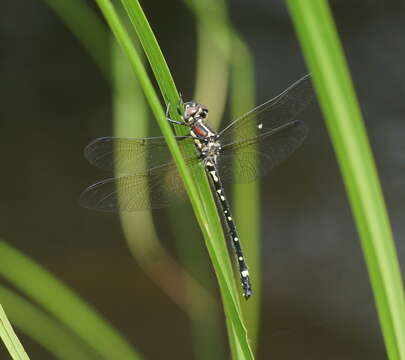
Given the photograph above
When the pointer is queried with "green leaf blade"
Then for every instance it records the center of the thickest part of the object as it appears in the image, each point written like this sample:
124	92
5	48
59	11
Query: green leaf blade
10	339
199	190
64	304
324	54
44	329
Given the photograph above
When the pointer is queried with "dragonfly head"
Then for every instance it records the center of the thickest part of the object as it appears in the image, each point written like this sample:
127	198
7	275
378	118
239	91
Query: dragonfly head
193	112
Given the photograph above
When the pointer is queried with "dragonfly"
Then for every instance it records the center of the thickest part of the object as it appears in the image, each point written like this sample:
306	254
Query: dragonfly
246	149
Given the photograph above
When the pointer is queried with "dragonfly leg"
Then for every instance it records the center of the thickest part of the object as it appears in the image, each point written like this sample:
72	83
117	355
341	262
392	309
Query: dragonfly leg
171	120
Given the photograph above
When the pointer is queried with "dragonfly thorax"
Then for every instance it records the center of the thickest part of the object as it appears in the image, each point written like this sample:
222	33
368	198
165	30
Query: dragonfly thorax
206	140
209	149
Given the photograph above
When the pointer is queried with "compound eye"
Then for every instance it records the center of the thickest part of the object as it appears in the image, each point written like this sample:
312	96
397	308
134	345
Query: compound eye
204	112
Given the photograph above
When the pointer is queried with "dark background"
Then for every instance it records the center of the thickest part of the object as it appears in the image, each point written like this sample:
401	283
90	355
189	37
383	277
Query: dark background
317	301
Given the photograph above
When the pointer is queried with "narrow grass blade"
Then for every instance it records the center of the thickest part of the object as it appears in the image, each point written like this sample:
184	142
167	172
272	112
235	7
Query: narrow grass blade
212	72
323	52
166	84
48	332
64	304
210	224
217	36
10	339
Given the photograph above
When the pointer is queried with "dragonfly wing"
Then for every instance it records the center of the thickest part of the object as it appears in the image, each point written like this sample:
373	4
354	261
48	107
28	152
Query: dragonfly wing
130	156
156	188
271	115
247	160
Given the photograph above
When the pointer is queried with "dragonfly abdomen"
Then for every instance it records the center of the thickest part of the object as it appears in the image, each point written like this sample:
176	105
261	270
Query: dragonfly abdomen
233	234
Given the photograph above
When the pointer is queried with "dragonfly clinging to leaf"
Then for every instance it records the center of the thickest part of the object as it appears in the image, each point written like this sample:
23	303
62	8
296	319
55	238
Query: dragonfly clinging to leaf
148	178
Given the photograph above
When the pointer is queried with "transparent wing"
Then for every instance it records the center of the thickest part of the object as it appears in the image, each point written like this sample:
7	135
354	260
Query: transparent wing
247	160
130	156
156	188
281	110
